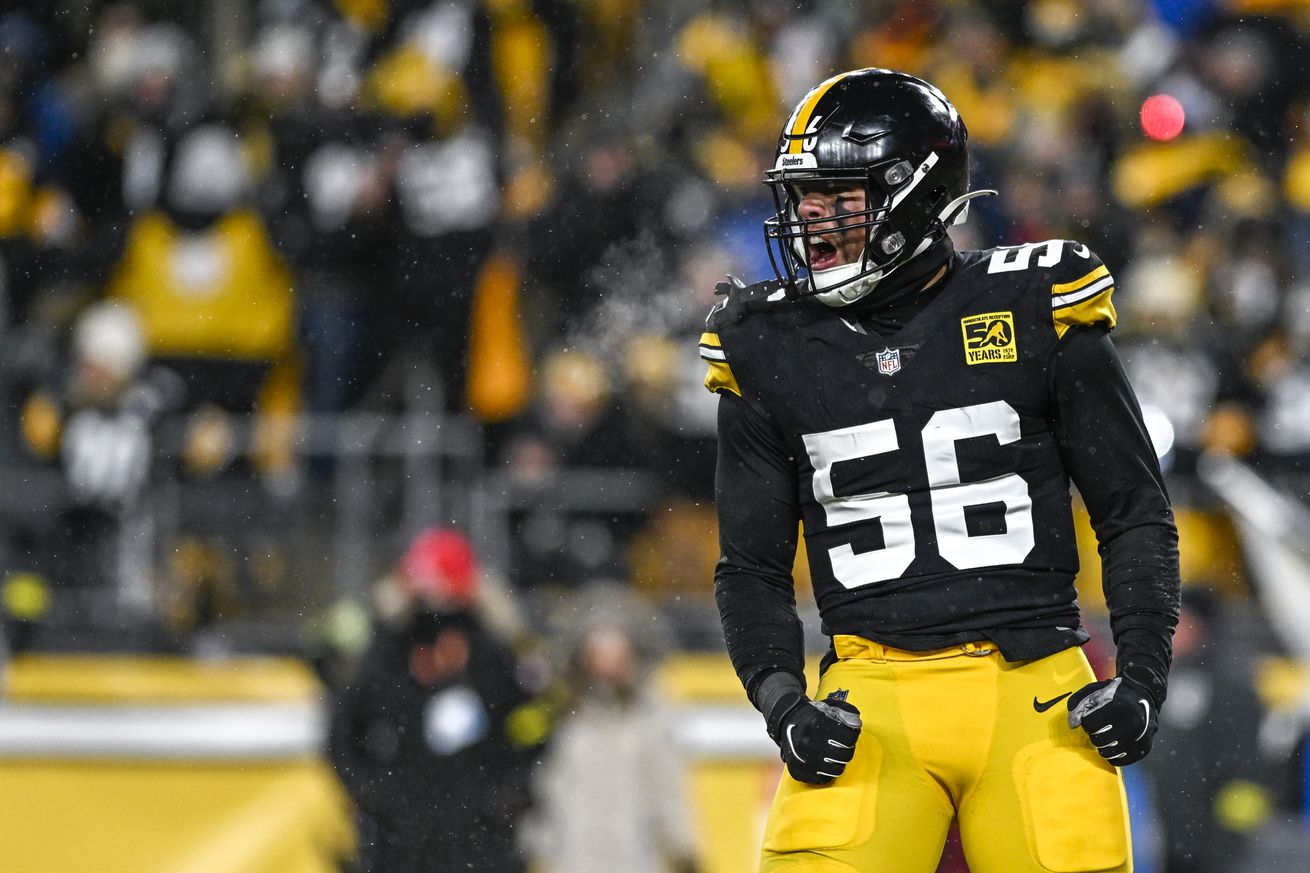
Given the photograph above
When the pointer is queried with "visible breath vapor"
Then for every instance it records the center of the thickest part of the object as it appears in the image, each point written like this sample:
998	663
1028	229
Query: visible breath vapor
640	293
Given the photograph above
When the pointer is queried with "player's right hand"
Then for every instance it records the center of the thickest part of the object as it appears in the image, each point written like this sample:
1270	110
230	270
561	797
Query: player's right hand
816	737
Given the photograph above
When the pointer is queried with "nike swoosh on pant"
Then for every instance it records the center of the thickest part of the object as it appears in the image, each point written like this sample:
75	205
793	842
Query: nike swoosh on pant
1043	705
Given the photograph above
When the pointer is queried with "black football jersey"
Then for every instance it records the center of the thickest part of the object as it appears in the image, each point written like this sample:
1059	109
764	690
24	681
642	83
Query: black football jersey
934	502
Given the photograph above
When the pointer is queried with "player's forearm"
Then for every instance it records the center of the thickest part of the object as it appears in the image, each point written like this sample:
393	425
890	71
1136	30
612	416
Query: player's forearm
1140	577
755	492
761	628
1109	456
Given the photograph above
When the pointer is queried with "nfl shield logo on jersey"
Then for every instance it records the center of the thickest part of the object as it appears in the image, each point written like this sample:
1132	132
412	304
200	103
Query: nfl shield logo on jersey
889	361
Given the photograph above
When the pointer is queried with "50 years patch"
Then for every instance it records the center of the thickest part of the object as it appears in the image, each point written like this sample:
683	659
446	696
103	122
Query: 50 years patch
989	338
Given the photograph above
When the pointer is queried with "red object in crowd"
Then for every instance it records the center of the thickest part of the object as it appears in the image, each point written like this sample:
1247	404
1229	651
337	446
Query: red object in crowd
1162	117
440	564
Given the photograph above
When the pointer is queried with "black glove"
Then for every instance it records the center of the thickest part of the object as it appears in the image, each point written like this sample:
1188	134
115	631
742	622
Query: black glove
817	737
1119	716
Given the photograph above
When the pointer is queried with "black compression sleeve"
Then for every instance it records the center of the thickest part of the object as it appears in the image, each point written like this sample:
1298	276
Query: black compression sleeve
1109	456
759	514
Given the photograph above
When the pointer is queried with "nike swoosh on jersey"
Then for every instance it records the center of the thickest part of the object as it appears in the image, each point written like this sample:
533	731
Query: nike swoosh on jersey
1043	705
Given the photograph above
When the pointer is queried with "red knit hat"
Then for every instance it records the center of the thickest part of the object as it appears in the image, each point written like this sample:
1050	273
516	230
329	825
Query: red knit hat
440	565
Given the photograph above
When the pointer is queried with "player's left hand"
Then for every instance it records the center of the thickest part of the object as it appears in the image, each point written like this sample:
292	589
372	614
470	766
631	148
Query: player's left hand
1119	716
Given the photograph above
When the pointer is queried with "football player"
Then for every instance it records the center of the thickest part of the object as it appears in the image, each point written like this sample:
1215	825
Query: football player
919	413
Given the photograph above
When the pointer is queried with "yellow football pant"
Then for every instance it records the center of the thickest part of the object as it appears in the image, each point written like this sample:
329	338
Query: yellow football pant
955	734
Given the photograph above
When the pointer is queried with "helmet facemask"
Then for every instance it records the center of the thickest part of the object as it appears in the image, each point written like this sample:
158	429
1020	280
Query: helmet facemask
900	221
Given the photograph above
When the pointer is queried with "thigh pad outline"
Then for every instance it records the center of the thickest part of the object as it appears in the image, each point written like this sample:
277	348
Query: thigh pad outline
1073	807
833	816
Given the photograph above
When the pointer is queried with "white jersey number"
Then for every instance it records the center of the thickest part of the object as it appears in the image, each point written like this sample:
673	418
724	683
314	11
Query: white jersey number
951	498
1014	258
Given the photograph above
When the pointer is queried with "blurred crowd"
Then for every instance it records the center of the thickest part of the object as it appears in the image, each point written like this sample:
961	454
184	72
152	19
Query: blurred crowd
225	225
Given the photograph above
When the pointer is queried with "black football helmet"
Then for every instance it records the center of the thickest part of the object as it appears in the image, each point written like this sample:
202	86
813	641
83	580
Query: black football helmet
900	139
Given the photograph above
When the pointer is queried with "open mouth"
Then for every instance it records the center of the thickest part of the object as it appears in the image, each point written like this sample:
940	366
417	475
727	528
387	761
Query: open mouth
822	254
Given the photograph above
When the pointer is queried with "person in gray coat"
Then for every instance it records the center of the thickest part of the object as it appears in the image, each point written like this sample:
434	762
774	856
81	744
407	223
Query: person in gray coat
611	792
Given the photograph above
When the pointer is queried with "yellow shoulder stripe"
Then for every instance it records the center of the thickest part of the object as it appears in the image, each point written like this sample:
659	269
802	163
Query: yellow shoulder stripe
719	378
1067	293
1084	301
801	120
711	349
1100	271
1095	309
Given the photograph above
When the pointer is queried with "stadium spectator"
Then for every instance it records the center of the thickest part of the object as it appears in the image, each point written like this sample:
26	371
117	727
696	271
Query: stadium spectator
217	307
144	78
576	427
215	299
424	737
428	74
323	198
625	809
97	424
39	225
